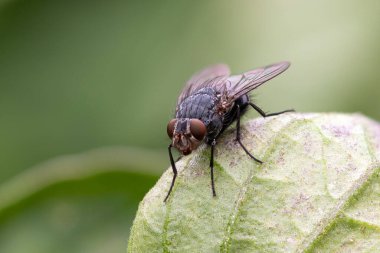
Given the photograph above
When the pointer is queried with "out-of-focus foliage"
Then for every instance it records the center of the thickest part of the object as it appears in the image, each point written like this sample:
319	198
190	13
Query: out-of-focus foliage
76	75
77	203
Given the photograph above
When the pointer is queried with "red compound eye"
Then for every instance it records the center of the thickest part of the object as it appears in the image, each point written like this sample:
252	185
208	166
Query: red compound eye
197	129
170	127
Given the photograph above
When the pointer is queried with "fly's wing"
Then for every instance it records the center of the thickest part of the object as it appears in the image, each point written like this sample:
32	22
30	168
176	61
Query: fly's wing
242	84
213	76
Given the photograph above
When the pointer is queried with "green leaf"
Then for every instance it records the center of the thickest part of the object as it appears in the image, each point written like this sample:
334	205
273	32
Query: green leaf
318	190
76	203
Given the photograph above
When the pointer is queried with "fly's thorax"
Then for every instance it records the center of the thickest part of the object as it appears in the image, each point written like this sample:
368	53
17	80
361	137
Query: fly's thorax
201	105
214	126
186	134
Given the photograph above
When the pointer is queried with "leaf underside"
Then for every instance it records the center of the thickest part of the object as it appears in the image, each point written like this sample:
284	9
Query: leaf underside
318	190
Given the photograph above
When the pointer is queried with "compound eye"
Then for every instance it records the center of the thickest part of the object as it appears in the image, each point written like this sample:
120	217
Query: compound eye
170	128
197	129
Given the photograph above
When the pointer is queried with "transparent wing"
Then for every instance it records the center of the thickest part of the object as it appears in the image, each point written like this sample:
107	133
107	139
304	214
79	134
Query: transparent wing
214	76
242	84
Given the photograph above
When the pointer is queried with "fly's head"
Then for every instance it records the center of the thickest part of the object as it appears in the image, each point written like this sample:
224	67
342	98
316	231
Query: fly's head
186	134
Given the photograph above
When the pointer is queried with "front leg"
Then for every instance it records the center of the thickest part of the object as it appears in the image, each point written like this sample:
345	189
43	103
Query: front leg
174	172
212	167
262	113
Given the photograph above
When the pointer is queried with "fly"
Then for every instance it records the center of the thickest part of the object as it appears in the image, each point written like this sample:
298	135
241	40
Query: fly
209	103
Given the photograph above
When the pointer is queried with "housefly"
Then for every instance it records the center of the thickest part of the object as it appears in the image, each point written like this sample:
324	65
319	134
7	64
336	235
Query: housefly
210	102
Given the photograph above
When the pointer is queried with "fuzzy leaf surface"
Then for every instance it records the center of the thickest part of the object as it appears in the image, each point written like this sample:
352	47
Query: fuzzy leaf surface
318	190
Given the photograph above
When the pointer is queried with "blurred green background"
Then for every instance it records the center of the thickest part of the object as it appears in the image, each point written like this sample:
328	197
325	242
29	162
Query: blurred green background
87	88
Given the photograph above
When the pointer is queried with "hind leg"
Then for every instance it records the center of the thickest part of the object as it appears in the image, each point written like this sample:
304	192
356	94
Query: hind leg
262	113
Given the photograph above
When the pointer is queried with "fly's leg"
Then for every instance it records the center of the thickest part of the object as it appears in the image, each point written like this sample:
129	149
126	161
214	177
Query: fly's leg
238	135
174	171
262	113
212	168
